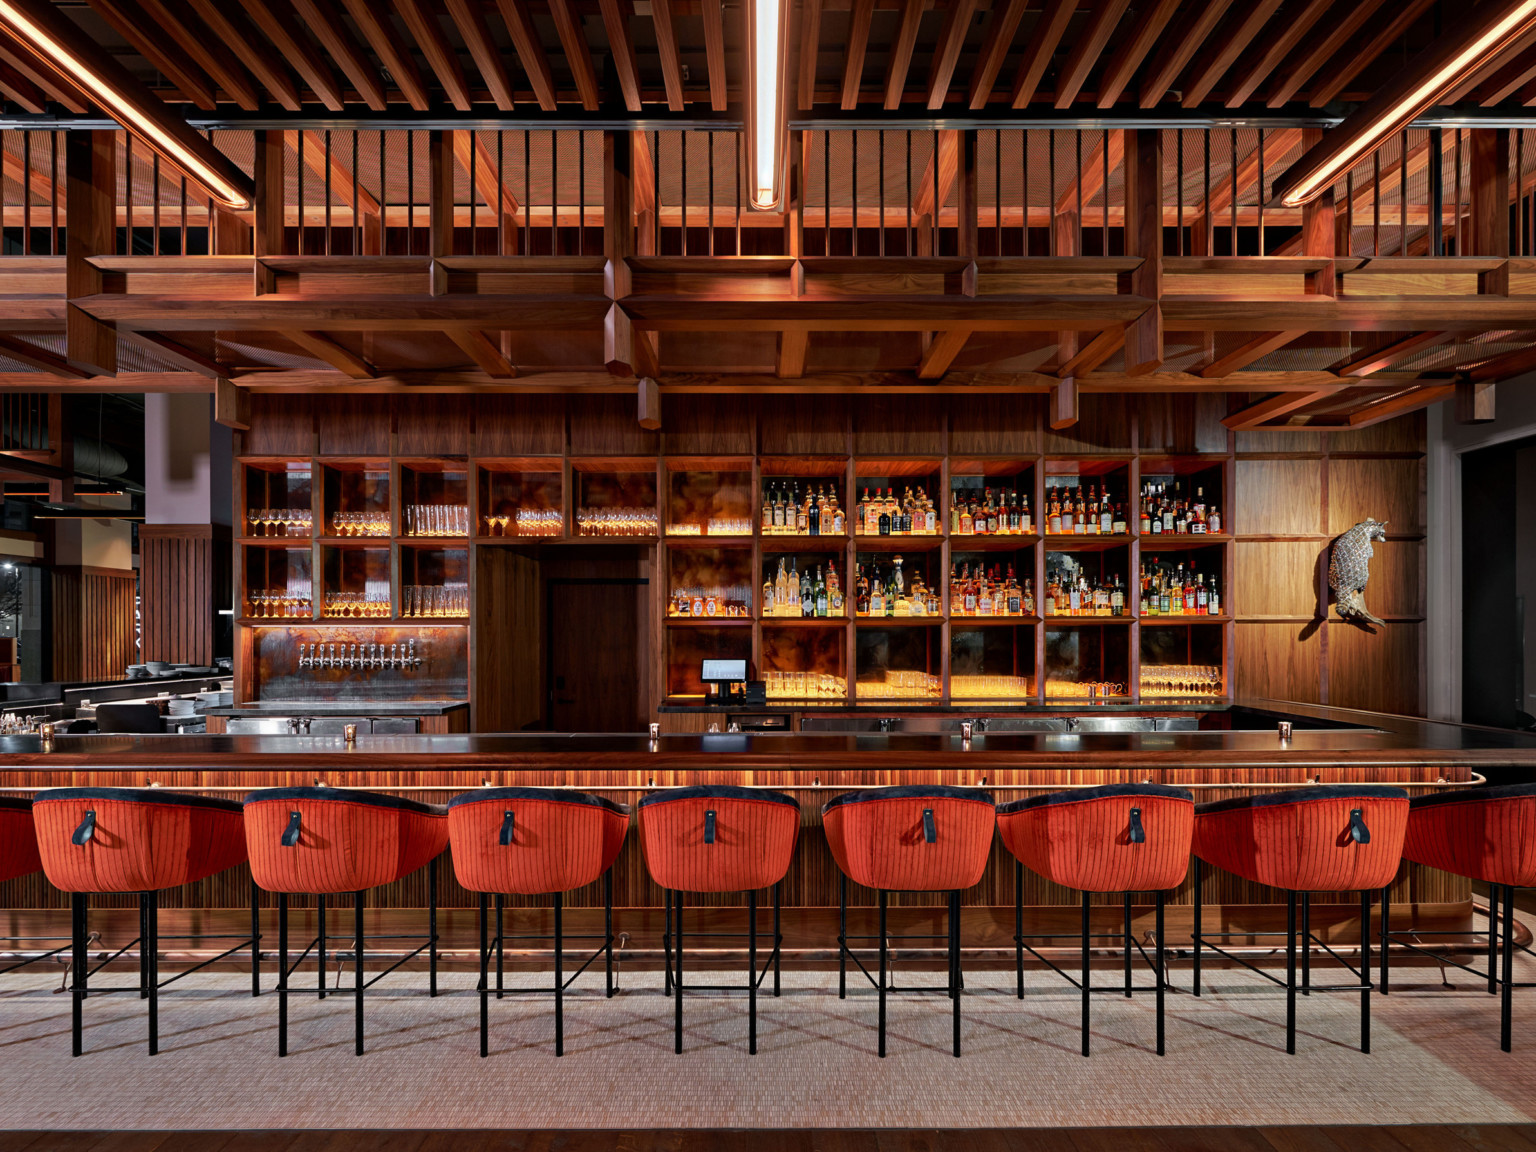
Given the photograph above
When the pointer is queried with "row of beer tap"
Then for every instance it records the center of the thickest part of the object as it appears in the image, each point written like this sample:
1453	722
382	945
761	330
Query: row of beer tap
359	657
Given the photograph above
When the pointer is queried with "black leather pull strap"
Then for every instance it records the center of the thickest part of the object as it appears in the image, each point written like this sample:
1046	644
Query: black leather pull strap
930	830
86	830
1137	833
291	833
709	826
1358	832
506	828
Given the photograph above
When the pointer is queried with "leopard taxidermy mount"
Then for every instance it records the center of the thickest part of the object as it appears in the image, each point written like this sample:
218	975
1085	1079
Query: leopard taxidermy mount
1349	569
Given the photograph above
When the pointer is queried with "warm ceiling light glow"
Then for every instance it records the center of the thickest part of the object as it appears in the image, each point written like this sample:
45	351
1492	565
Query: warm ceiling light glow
78	69
767	28
1369	127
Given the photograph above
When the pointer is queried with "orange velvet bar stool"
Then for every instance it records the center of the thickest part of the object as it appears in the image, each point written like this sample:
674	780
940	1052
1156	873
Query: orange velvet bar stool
323	840
910	838
1486	834
19	857
535	842
140	840
1118	838
719	838
1327	838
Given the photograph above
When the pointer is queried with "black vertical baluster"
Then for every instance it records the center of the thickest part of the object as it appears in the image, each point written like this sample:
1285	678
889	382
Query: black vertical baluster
1349	213
1104	221
1261	192
184	216
854	194
936	205
410	192
1233	168
1050	199
328	221
1207	224
474	190
581	138
656	191
908	134
799	189
26	193
1459	246
383	196
882	192
501	192
128	189
826	192
154	217
709	143
1375	203
554	193
357	214
1178	134
1024	187
997	191
299	174
527	195
1402	198
1077	153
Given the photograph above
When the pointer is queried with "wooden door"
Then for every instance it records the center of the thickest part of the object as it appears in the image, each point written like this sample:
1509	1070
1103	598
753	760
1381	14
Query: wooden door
594	654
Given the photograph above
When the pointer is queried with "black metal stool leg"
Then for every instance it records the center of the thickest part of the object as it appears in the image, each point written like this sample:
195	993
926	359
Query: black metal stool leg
752	973
1086	980
1018	923
842	937
666	942
677	983
501	947
357	908
255	939
559	974
882	971
1290	973
608	929
432	926
1386	938
778	932
1162	899
1306	943
143	951
956	988
1126	945
1365	971
1493	939
80	963
1508	942
282	973
485	982
151	946
320	941
1199	876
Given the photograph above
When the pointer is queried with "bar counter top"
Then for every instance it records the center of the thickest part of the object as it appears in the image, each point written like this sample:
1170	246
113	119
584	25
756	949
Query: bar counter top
1365	738
339	708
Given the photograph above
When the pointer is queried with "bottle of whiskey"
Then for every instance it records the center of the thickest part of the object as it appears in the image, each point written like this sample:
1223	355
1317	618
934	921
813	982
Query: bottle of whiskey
767	517
821	594
1213	601
1117	598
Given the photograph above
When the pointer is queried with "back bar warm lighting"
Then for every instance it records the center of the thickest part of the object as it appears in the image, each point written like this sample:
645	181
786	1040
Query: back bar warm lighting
768	32
1424	83
51	35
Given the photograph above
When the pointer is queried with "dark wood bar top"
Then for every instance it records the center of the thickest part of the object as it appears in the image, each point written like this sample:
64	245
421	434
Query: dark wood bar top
1350	738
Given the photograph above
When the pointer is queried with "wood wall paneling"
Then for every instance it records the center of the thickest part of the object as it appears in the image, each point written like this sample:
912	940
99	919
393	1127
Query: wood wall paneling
1376	668
1264	441
1277	577
803	426
606	425
1180	425
356	425
1103	425
712	425
996	425
281	425
184	572
1278	661
1397	579
93	623
520	425
1279	498
898	425
1381	488
433	426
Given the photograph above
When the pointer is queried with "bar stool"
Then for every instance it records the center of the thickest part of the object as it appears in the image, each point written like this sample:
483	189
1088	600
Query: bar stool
109	840
910	838
1117	838
719	838
1486	834
19	857
532	842
1329	838
323	840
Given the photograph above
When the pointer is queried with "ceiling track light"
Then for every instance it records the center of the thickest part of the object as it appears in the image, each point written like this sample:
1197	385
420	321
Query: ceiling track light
53	37
1428	79
767	111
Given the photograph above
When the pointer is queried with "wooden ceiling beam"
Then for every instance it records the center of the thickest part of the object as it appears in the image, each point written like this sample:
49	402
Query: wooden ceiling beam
1179	50
1133	50
144	34
469	19
789	358
477	346
1087	49
1093	171
1094	353
932	194
316	161
1401	404
42	75
1274	49
942	349
666	49
176	354
957	23
421	20
810	46
1218	56
322	347
1280	404
714	52
325	22
1251	352
372	20
232	30
1002	26
476	160
1476	403
1044	38
279	27
578	54
901	52
21	91
1515	71
1313	54
210	53
1336	79
1063	405
621	50
1515	363
1383	358
859	18
530	52
25	352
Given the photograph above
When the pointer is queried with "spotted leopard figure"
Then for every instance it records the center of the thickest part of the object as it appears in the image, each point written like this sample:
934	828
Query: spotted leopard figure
1349	568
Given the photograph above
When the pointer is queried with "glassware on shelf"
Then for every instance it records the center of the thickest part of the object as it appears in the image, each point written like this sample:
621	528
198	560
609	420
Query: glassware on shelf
901	686
785	685
990	687
1082	689
616	522
422	601
529	522
373	523
274	604
1169	681
435	520
278	521
357	605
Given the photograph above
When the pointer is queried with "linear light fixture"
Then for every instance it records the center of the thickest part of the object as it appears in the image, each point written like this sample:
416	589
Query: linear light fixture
54	38
767	40
1433	74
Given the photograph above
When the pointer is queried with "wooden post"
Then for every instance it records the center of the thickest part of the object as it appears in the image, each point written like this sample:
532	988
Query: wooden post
90	165
967	205
1144	237
439	205
626	351
1064	225
1475	402
1489	198
268	233
61	450
649	396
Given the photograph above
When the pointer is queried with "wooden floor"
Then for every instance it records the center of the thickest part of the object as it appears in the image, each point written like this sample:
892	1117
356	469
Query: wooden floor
1446	1138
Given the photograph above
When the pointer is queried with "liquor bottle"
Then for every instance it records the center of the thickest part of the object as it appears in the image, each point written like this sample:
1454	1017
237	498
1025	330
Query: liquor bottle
1202	596
778	511
1197	522
884	521
839	522
1145	524
1117	525
968	593
821	593
767	511
1026	521
1213	520
1028	602
1117	598
861	593
1168	515
1101	600
1191	597
1106	515
781	590
834	593
1015	594
984	600
955	509
813	514
991	508
860	510
956	592
1066	515
1164	599
967	521
768	608
802	513
1090	513
1213	601
876	598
